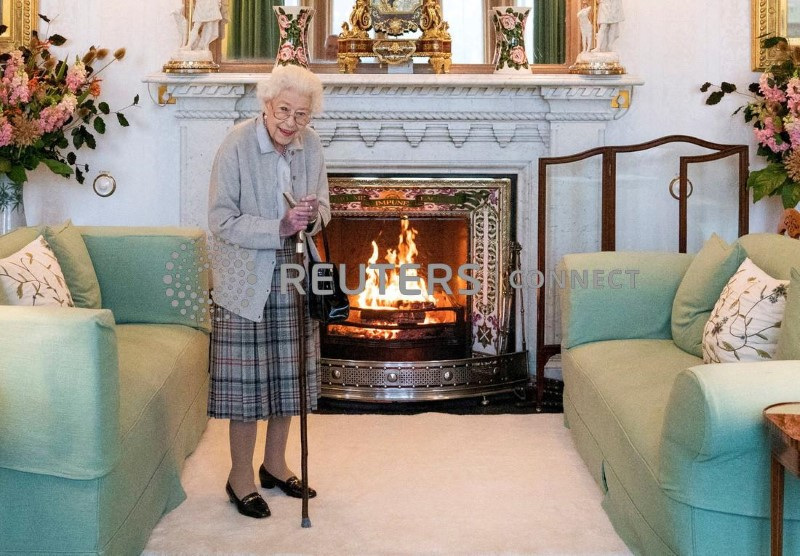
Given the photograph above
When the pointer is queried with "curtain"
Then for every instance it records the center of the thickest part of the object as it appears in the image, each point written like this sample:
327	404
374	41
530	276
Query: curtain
252	30
549	31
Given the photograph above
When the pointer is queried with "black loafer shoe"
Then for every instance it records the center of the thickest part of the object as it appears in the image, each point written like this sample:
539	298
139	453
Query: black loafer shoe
251	505
291	486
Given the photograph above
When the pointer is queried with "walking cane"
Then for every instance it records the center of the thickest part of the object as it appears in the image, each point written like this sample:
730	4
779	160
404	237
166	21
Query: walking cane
301	319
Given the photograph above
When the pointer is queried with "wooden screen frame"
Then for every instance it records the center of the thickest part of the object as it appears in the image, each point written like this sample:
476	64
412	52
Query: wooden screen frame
608	225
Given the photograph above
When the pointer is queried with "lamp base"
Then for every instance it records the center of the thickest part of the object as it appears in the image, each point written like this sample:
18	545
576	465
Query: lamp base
183	66
597	63
191	61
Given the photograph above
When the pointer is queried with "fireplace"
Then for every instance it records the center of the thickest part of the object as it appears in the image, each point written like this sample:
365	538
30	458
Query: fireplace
413	124
445	331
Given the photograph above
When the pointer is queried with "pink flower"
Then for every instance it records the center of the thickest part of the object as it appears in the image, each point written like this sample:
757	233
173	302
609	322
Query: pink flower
17	87
793	95
794	136
53	118
76	77
15	81
508	22
6	131
773	94
766	137
283	21
518	55
13	64
301	56
286	53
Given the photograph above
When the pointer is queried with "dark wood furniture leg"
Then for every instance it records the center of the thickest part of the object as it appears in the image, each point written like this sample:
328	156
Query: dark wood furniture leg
776	507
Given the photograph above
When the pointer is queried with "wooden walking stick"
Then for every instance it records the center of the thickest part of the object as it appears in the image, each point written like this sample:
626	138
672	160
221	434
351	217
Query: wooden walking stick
300	241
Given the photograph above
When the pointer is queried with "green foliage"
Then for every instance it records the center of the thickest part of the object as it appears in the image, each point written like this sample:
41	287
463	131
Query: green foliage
50	108
767	180
774	110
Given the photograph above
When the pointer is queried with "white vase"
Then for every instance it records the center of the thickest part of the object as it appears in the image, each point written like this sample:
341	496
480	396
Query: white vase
12	210
509	25
293	23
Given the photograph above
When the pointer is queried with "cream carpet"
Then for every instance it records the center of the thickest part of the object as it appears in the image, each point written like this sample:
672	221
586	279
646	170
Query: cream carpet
430	483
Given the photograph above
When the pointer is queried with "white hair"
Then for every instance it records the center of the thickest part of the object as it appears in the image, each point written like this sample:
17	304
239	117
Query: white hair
292	78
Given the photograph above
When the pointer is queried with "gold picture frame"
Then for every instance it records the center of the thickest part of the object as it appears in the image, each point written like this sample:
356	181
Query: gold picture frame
770	18
20	18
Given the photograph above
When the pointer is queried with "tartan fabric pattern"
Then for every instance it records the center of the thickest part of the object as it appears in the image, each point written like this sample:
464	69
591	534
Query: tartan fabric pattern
254	365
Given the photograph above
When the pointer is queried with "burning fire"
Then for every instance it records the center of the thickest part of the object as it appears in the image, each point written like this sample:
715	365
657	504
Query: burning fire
405	254
393	308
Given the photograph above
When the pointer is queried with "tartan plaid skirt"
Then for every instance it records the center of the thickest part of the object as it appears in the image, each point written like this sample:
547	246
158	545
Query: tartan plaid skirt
254	365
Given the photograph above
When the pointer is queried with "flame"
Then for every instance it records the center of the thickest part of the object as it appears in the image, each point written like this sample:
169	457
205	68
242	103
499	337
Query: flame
392	298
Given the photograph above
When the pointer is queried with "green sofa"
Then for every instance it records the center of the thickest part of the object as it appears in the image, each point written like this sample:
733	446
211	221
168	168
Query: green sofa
678	448
100	407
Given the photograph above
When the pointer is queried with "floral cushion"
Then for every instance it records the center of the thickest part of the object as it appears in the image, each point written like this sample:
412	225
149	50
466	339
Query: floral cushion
746	321
32	276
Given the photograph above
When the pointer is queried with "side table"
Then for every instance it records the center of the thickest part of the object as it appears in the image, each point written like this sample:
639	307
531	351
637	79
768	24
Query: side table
783	424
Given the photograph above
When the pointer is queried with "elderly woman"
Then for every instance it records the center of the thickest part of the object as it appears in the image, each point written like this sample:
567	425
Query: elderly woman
255	337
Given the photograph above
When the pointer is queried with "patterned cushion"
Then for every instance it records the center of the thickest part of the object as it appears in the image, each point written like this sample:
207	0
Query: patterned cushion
32	276
746	321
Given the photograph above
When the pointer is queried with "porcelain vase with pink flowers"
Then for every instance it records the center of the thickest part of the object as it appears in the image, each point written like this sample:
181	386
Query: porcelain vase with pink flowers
293	23
509	27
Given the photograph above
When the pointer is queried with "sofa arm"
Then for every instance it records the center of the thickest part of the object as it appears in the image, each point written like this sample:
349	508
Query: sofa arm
151	275
714	444
59	391
618	295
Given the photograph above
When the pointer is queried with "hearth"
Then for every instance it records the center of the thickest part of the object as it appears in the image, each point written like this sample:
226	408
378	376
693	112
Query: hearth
437	319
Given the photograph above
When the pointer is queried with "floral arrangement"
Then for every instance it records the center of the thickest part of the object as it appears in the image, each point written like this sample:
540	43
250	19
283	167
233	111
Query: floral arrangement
292	49
774	113
511	26
49	108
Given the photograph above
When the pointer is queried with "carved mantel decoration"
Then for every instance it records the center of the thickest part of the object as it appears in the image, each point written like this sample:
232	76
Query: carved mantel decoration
455	125
394	18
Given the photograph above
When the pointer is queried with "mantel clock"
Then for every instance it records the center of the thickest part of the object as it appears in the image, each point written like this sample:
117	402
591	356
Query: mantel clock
390	21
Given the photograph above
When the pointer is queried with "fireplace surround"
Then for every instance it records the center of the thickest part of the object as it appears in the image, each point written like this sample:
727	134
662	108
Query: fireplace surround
411	125
455	343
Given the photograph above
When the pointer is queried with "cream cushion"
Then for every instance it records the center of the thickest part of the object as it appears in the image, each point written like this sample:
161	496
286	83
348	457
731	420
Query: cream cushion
746	321
32	276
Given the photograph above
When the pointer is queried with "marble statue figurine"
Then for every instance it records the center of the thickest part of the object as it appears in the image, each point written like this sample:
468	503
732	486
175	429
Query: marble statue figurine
206	19
585	26
602	59
609	16
181	23
193	54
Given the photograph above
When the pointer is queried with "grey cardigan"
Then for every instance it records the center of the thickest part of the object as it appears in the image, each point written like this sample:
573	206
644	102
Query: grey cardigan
243	214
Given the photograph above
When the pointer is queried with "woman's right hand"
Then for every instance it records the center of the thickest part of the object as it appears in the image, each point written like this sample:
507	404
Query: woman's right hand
295	220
